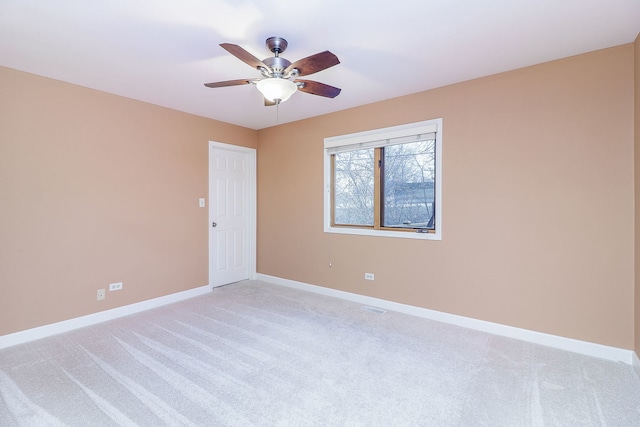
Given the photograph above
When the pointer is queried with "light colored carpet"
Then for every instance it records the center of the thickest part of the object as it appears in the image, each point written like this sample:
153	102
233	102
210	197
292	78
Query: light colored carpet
256	354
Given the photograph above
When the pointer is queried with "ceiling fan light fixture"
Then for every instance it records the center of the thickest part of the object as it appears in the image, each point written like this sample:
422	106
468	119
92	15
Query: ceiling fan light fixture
276	89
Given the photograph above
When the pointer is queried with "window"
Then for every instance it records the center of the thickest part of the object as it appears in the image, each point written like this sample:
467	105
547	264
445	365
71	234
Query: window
385	182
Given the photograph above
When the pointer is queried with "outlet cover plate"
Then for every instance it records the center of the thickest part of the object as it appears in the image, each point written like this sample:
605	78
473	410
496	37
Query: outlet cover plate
115	286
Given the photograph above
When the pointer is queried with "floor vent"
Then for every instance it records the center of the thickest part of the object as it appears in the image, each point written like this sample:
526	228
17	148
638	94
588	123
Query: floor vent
373	310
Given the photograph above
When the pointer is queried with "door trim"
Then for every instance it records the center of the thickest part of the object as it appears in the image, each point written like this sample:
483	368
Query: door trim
252	205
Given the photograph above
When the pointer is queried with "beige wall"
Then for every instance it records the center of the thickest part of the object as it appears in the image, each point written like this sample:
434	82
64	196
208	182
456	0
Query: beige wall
538	202
637	190
95	189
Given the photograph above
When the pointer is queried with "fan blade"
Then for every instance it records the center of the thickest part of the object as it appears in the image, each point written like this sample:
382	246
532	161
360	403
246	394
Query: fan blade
314	63
317	88
243	55
230	83
268	103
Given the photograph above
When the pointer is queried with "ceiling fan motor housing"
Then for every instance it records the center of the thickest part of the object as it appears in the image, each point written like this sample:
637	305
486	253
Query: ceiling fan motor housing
277	65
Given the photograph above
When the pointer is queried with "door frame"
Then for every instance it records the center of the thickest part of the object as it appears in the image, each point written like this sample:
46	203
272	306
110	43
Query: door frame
251	205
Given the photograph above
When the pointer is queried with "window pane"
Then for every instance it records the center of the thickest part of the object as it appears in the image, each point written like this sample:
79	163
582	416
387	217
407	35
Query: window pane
408	187
353	187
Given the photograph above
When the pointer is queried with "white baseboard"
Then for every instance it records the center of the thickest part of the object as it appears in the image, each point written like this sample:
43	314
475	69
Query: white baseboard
636	364
102	316
568	344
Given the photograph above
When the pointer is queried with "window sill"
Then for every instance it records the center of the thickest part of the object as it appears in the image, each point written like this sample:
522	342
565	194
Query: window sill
384	233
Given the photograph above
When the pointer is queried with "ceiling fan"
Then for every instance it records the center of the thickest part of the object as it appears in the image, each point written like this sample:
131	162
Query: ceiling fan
280	75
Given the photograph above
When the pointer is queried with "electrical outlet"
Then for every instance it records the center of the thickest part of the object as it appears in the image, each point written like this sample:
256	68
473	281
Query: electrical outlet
369	276
100	294
201	202
115	286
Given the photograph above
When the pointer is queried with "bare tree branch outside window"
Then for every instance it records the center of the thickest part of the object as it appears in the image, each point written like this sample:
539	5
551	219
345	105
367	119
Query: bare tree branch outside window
408	196
408	183
353	187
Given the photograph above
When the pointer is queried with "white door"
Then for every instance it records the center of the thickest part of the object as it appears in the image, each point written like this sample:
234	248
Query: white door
231	214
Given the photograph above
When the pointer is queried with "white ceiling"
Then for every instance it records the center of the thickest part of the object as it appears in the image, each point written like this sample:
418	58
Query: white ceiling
163	51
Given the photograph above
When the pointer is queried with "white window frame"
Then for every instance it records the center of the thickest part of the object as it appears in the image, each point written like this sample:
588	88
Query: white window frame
369	138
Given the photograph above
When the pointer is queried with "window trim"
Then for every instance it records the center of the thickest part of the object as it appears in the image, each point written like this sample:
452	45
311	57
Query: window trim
375	138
